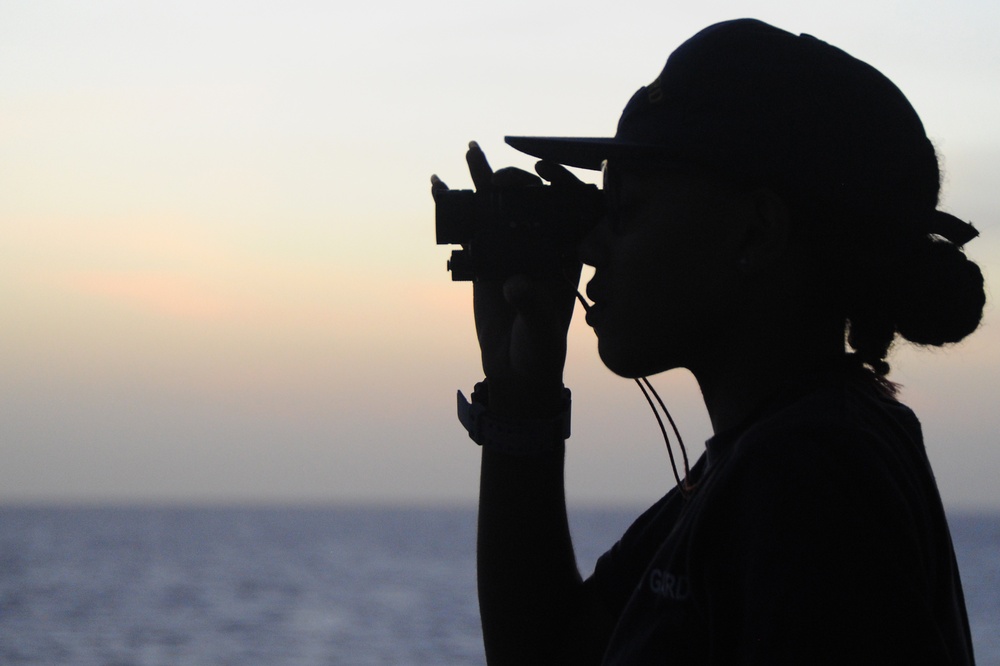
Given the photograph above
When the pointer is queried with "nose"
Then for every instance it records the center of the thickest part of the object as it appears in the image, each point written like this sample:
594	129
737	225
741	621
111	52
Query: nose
595	247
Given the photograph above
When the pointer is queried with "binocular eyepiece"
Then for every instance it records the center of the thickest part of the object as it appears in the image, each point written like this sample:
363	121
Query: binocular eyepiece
531	230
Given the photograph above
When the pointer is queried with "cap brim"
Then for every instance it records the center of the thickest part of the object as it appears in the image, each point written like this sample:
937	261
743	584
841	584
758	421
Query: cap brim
584	153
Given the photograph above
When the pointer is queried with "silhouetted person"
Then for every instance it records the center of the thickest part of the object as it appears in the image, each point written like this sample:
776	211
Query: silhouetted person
769	197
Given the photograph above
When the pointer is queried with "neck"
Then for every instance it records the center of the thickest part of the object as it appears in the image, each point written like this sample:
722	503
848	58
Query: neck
737	381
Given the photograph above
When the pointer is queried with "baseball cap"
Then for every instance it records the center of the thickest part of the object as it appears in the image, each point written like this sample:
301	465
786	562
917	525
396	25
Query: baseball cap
763	106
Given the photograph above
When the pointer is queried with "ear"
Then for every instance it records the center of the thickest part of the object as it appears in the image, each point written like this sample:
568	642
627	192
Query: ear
766	232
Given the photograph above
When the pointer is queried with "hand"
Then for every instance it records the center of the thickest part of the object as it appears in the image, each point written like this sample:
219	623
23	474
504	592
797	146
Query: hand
521	323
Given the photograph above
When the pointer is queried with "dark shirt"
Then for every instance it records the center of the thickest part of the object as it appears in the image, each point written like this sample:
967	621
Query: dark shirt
815	535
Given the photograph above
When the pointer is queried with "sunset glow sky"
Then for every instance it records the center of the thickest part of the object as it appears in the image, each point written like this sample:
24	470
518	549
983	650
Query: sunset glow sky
218	275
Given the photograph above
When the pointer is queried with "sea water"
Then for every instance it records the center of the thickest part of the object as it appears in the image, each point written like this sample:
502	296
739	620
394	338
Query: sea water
295	586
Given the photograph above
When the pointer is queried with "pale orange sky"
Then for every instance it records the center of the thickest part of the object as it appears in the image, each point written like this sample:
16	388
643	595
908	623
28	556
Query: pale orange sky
218	266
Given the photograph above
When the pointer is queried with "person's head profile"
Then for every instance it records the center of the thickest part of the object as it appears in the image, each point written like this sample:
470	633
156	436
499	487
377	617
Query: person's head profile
769	221
825	177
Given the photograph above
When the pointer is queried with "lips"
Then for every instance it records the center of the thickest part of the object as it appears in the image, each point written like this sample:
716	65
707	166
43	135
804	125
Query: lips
594	315
595	292
598	301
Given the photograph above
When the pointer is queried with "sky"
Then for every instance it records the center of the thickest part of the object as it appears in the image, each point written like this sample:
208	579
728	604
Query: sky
218	276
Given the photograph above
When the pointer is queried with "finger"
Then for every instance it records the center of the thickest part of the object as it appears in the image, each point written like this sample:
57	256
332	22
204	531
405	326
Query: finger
479	168
556	174
524	295
514	177
539	300
437	186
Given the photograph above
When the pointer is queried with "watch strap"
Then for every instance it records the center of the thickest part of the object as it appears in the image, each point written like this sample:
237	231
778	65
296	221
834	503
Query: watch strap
511	435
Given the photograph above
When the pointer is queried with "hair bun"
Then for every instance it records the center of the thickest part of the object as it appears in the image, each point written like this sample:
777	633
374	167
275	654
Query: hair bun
938	293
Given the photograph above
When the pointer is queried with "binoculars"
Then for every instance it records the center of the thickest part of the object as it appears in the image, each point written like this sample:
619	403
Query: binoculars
520	230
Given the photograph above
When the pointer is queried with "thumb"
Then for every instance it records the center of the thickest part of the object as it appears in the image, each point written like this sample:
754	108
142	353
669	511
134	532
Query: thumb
541	305
522	293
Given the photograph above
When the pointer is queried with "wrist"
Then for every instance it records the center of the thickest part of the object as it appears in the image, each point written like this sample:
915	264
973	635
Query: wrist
508	434
516	397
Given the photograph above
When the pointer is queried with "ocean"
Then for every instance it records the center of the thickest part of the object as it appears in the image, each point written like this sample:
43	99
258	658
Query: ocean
296	586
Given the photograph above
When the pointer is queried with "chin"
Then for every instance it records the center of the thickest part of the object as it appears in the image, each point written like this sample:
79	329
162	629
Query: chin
623	362
633	360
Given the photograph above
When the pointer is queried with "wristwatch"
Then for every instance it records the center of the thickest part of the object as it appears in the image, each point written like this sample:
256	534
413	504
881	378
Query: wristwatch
513	436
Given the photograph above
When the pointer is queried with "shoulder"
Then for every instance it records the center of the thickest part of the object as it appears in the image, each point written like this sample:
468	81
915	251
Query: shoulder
839	430
834	464
832	494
